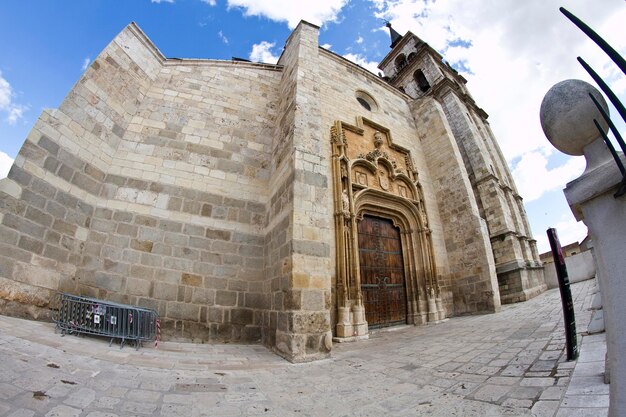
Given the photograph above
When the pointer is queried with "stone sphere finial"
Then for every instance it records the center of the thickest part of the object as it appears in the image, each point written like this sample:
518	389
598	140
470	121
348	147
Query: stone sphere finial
567	114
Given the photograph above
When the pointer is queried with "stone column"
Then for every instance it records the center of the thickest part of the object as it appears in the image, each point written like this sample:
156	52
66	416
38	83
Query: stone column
567	115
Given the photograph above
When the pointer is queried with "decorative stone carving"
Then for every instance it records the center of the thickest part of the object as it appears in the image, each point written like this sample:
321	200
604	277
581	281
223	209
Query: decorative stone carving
361	178
378	139
345	203
377	185
383	180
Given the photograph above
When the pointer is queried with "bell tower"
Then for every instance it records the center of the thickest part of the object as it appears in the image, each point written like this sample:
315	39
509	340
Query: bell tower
419	71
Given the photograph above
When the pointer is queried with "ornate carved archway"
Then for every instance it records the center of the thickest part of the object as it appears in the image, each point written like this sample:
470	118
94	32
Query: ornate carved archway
373	176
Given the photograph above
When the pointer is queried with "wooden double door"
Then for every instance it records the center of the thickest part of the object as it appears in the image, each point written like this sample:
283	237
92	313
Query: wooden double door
382	272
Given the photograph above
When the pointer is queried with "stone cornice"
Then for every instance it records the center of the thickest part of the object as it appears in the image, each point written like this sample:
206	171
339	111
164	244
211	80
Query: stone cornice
486	178
145	40
221	63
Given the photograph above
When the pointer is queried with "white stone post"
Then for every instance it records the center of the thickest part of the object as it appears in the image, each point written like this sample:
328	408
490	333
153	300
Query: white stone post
567	115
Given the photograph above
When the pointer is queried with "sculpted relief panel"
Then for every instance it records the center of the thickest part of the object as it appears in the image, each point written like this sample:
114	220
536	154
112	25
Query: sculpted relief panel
377	179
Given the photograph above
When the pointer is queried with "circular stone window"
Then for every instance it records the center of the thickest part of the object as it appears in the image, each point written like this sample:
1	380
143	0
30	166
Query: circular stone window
366	101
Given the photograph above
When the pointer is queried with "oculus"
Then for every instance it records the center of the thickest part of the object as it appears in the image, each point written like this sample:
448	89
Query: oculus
366	101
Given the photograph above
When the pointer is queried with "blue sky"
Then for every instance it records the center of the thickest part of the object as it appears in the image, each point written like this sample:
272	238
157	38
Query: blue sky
511	52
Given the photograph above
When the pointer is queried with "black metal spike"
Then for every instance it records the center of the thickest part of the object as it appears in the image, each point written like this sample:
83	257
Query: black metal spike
612	126
607	90
608	49
611	148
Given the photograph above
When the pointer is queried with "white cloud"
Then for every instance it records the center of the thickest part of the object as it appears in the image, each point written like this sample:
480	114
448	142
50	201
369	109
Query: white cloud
533	178
327	46
567	229
6	93
317	12
5	164
222	37
86	63
209	2
359	40
363	62
14	111
262	52
518	50
162	1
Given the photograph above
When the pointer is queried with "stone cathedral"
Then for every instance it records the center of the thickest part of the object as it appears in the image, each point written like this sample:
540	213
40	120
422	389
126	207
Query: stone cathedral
295	205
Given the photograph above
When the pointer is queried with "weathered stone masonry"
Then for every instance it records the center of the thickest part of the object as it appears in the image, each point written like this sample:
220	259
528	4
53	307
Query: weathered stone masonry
204	189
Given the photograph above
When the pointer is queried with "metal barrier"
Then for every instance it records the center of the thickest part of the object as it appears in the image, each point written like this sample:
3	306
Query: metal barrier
84	315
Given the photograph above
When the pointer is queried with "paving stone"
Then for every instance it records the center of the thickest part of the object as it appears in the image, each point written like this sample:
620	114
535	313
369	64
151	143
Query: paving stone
106	402
515	403
174	410
8	391
552	393
534	374
526	393
491	393
543	366
545	408
382	376
537	382
22	412
63	411
499	380
81	398
144	396
129	407
514	370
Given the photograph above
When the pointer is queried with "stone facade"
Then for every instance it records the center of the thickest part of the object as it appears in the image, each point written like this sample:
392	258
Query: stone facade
207	190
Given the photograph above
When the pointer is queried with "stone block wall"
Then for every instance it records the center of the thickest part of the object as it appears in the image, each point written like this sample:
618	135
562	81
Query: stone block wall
148	186
195	164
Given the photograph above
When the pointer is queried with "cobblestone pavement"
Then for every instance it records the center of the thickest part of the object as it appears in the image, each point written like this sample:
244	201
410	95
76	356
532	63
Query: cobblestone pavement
506	364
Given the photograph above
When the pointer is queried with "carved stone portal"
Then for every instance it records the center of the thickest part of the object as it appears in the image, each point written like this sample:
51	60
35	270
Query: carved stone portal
375	179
